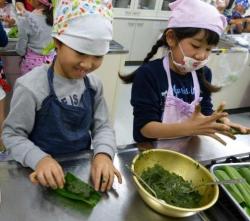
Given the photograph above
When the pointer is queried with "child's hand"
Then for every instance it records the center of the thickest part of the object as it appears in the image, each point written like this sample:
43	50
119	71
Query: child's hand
48	173
103	171
236	127
208	125
20	8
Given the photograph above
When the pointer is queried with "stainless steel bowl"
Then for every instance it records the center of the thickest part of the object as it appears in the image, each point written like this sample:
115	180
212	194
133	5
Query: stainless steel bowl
182	165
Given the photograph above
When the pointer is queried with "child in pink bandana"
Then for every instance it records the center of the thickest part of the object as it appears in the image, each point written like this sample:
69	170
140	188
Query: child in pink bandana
171	96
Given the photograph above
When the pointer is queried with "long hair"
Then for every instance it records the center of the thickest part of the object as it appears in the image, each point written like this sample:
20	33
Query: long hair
48	12
212	38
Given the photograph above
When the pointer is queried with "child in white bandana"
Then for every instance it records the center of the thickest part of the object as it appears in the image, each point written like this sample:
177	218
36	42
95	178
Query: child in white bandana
60	109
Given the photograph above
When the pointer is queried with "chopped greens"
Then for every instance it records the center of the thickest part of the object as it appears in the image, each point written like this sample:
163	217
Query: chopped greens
76	189
171	188
13	32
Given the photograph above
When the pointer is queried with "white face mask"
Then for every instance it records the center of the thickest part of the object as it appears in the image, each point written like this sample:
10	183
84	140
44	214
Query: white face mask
189	64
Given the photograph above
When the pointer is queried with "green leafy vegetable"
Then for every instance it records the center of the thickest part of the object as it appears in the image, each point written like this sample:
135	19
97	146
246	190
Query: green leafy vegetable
13	32
239	191
76	189
245	172
171	188
247	209
49	48
222	175
244	188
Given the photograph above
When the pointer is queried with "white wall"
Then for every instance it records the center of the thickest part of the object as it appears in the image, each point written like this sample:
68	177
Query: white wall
235	66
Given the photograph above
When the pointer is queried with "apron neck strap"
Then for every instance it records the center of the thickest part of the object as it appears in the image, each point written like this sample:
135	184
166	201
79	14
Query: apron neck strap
167	70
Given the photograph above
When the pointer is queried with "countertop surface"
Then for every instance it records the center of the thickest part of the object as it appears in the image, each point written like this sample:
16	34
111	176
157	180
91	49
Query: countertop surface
205	149
22	200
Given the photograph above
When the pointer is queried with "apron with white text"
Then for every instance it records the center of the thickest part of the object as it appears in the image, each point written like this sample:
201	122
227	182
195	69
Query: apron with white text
176	110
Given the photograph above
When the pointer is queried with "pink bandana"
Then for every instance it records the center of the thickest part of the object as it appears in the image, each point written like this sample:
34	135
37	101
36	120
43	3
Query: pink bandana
196	14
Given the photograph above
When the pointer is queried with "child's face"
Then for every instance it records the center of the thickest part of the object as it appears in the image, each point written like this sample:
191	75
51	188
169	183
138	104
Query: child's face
75	65
240	9
195	47
221	5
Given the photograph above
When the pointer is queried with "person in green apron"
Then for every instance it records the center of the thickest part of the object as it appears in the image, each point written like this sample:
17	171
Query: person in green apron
59	109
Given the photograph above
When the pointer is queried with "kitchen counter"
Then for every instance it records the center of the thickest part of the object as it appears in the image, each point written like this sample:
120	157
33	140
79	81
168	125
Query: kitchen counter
22	200
205	149
26	202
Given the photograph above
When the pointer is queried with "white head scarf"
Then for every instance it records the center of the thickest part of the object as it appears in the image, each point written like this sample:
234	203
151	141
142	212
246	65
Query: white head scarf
84	26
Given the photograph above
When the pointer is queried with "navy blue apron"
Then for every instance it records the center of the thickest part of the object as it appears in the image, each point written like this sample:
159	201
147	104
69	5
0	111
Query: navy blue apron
60	128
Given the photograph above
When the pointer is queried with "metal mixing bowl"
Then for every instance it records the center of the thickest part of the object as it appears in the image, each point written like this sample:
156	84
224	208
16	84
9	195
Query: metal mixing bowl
182	165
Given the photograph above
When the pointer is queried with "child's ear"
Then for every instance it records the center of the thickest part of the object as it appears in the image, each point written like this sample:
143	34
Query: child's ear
170	38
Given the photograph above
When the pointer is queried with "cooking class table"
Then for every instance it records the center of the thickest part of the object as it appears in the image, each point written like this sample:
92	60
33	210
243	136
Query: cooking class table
23	201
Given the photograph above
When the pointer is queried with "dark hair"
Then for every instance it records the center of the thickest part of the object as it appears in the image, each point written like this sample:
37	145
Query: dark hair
48	12
230	4
180	34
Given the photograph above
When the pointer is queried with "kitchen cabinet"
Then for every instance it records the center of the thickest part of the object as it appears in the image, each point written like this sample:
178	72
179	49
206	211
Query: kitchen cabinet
112	65
141	8
145	7
138	24
163	9
124	32
146	35
137	35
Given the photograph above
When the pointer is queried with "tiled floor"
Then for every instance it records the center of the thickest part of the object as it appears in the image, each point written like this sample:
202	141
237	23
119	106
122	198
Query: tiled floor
123	123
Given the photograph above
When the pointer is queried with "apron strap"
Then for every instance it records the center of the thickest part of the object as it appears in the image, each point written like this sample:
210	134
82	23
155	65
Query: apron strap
90	90
167	70
196	86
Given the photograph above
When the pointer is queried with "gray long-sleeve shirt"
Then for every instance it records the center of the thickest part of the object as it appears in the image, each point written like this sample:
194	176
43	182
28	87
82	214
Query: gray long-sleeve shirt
33	33
29	93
